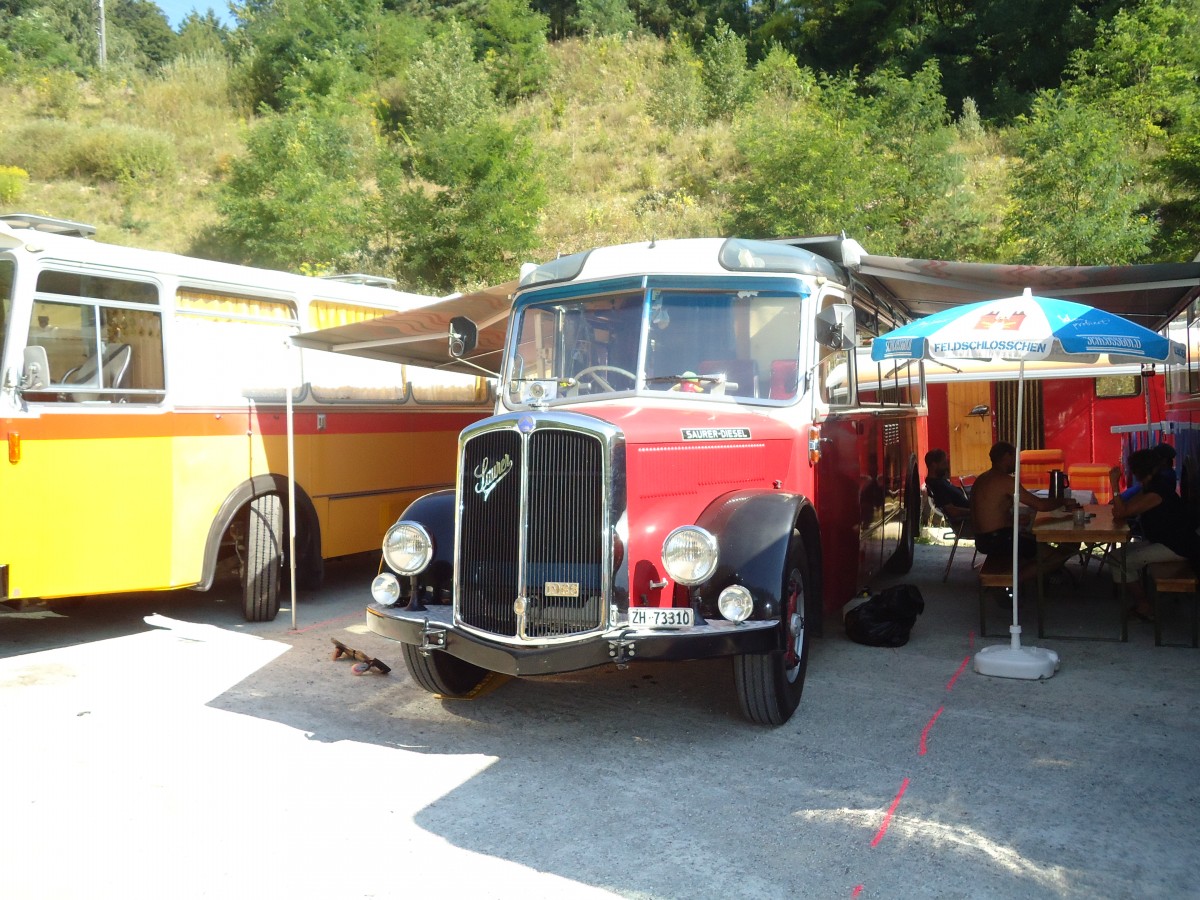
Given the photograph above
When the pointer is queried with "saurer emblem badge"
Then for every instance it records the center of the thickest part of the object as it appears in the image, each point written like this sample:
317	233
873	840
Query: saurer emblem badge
489	474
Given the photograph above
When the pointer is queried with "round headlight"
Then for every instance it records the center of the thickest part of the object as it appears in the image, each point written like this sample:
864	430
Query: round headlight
385	589
407	548
690	554
735	603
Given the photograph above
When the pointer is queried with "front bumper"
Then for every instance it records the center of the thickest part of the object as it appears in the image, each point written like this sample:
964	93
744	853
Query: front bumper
433	629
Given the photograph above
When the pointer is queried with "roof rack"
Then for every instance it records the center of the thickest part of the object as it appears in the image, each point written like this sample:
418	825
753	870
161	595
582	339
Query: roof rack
359	278
50	225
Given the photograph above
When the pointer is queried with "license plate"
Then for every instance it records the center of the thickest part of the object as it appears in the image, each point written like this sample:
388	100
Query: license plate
655	617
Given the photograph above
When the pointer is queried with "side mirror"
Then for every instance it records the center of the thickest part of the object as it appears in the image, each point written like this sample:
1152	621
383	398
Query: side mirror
835	327
463	336
35	376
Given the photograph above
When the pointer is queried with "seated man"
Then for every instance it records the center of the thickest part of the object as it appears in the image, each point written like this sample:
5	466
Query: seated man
992	514
1165	524
951	499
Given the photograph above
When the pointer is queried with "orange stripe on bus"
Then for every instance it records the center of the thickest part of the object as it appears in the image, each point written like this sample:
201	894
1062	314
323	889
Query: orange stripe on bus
107	425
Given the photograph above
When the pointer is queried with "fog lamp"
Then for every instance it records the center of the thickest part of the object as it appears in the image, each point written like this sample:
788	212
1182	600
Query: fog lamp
735	603
407	548
385	589
689	554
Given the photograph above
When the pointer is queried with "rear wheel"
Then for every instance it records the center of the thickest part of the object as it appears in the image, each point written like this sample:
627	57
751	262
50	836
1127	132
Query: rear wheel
262	566
901	560
769	685
440	673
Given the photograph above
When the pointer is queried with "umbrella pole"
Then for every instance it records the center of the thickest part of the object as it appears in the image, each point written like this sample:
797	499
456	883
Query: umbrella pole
1013	660
1015	628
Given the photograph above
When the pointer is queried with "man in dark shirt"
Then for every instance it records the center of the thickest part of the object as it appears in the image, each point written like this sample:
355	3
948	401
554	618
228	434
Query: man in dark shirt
1165	524
951	499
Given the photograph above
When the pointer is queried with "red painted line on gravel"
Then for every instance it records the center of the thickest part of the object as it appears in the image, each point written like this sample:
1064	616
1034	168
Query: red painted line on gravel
962	668
858	889
887	819
357	615
925	731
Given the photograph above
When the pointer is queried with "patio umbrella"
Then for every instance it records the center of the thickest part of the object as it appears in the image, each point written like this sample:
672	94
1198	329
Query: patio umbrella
1019	329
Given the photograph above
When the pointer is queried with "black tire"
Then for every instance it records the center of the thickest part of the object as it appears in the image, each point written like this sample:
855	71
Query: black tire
769	685
441	673
262	569
901	560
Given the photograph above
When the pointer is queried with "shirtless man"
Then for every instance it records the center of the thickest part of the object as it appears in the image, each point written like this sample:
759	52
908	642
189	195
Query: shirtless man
992	513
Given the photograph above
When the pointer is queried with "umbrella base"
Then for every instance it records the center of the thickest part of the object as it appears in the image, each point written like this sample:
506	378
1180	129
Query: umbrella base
1004	661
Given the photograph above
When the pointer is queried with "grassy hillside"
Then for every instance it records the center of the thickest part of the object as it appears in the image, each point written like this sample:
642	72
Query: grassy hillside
141	159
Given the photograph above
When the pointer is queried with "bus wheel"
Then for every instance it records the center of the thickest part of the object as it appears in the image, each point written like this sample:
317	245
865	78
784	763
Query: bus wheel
769	685
441	673
901	560
262	567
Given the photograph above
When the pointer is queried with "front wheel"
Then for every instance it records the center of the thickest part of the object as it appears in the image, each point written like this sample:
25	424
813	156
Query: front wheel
262	567
440	673
769	685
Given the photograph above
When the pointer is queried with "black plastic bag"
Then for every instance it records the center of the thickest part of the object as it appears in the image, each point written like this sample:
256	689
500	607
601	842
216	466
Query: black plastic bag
886	619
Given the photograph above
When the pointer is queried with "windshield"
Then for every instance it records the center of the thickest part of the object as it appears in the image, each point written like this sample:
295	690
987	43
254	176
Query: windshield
736	344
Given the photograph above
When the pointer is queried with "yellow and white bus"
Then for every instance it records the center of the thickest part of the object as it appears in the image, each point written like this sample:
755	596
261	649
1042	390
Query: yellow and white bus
143	402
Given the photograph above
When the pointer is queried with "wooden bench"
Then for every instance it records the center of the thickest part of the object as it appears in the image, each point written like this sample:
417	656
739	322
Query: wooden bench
1174	578
995	573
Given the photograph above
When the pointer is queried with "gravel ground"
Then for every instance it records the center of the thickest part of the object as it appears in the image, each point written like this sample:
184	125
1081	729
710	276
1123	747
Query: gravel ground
195	755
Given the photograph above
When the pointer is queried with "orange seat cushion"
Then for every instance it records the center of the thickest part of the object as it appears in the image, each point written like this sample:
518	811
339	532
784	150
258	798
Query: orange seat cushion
1091	477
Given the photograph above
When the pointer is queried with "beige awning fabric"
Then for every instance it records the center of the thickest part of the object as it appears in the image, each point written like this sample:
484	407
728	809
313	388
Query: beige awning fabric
420	337
1149	295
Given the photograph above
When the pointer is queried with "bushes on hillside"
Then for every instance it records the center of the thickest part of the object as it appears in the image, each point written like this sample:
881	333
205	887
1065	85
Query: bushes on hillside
49	149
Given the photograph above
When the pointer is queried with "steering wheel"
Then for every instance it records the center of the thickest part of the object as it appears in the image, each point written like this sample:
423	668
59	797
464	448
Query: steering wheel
593	372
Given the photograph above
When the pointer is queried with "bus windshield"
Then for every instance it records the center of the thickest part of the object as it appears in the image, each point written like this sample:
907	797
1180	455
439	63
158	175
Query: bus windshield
743	344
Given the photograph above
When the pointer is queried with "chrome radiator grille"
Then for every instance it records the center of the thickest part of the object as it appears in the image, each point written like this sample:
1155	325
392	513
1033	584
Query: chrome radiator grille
554	556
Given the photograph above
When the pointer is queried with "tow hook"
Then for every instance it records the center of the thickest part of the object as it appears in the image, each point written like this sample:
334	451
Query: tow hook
432	638
622	650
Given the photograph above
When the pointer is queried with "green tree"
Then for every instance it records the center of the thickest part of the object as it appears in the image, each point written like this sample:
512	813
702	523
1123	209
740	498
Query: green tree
154	43
202	35
39	38
1074	195
922	206
511	38
1143	64
602	17
296	196
464	206
778	75
676	98
1179	169
283	41
723	71
796	177
445	86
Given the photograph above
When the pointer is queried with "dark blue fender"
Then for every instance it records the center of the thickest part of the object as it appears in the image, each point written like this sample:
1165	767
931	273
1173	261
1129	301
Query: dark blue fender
436	513
753	529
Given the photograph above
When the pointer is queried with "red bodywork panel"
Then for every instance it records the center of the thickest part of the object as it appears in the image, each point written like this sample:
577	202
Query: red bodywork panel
672	479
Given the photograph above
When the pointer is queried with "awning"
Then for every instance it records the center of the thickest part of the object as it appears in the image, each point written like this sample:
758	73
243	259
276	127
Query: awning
420	337
1150	295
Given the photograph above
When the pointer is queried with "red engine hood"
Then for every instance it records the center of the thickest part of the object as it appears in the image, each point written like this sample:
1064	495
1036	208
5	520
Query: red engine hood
665	422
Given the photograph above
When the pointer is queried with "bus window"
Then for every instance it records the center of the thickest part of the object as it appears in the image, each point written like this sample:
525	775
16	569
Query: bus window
105	345
231	347
835	374
7	271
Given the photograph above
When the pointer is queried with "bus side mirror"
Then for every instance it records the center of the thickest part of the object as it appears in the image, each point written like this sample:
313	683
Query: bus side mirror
36	373
835	327
463	336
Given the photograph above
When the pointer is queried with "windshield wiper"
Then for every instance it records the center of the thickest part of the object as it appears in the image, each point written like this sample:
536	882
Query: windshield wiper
686	376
